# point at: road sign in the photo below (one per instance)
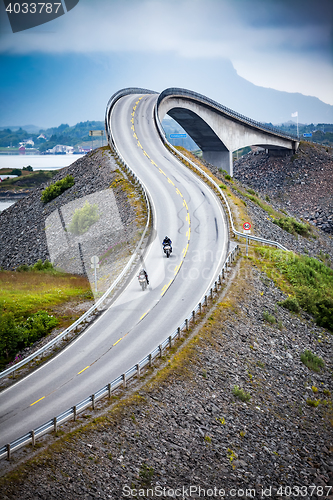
(246, 226)
(307, 135)
(178, 136)
(94, 259)
(96, 132)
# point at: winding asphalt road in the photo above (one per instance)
(186, 210)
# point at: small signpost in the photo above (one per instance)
(247, 231)
(94, 133)
(178, 136)
(307, 135)
(95, 265)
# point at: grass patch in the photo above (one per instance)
(241, 394)
(269, 317)
(312, 361)
(291, 303)
(305, 278)
(26, 302)
(291, 225)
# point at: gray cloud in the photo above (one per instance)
(285, 44)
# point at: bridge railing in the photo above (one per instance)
(189, 94)
(216, 186)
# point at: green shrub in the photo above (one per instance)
(14, 337)
(291, 225)
(222, 186)
(312, 361)
(83, 218)
(251, 191)
(16, 171)
(291, 303)
(269, 317)
(38, 266)
(228, 177)
(241, 394)
(57, 188)
(312, 402)
(267, 198)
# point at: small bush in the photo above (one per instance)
(267, 198)
(223, 186)
(57, 188)
(16, 171)
(312, 402)
(312, 361)
(227, 177)
(251, 191)
(83, 218)
(291, 303)
(269, 317)
(241, 394)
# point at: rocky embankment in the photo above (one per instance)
(189, 429)
(25, 236)
(301, 183)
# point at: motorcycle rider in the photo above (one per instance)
(167, 241)
(144, 272)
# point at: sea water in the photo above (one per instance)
(37, 162)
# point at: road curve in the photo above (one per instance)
(186, 210)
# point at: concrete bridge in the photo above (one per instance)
(219, 131)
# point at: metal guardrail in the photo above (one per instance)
(174, 92)
(217, 187)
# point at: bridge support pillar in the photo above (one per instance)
(221, 159)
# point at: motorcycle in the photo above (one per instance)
(167, 250)
(143, 281)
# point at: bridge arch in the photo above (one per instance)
(219, 131)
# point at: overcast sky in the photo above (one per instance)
(65, 70)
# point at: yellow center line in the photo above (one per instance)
(144, 314)
(37, 401)
(83, 369)
(117, 341)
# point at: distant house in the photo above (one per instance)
(22, 149)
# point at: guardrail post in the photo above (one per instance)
(223, 273)
(170, 341)
(138, 370)
(55, 424)
(74, 413)
(186, 324)
(160, 348)
(93, 401)
(206, 300)
(13, 373)
(179, 332)
(33, 439)
(124, 380)
(211, 294)
(215, 286)
(8, 451)
(200, 307)
(219, 281)
(193, 316)
(109, 390)
(150, 359)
